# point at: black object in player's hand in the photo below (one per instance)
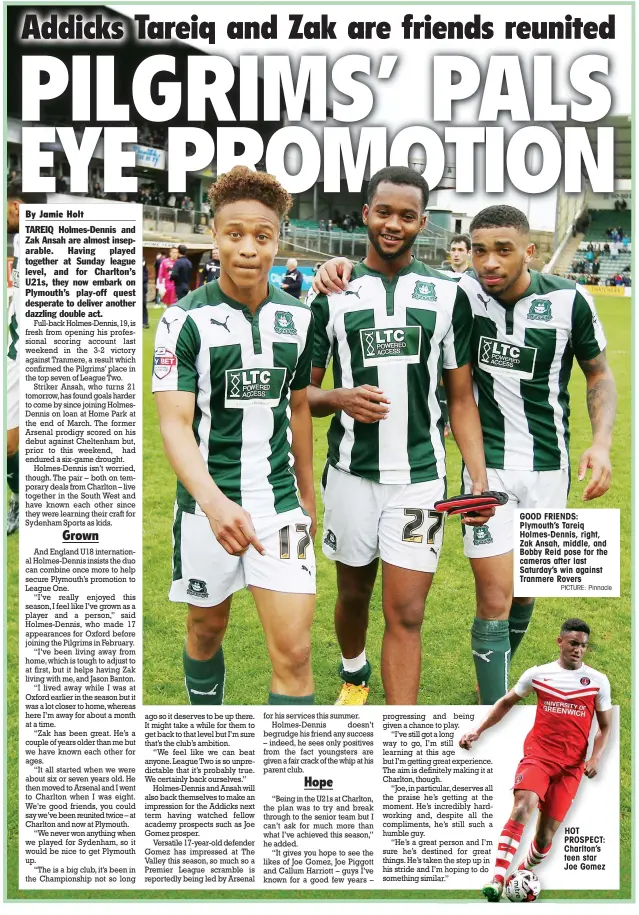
(470, 504)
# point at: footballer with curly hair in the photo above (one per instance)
(231, 367)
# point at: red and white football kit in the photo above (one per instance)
(555, 749)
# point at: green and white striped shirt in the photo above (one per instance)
(242, 368)
(397, 335)
(522, 359)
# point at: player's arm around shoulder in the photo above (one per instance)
(333, 276)
(495, 715)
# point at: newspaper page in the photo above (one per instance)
(293, 291)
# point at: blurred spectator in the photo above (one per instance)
(165, 283)
(292, 279)
(181, 273)
(211, 269)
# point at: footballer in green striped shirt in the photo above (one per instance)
(528, 328)
(390, 334)
(231, 367)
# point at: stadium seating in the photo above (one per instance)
(600, 220)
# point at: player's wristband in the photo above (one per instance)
(470, 504)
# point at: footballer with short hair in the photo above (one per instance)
(528, 328)
(569, 695)
(459, 253)
(231, 367)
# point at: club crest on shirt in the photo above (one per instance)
(330, 540)
(424, 291)
(197, 588)
(481, 536)
(539, 310)
(284, 323)
(585, 681)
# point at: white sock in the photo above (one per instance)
(352, 665)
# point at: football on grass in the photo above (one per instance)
(522, 886)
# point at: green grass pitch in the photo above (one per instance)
(447, 669)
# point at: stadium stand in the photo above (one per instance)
(604, 254)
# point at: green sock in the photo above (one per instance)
(518, 622)
(359, 677)
(279, 699)
(491, 654)
(204, 680)
(13, 473)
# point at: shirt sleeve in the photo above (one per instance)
(524, 685)
(603, 701)
(302, 377)
(588, 339)
(177, 344)
(323, 330)
(456, 343)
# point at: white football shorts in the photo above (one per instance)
(395, 521)
(547, 489)
(204, 574)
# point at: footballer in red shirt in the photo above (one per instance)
(569, 695)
